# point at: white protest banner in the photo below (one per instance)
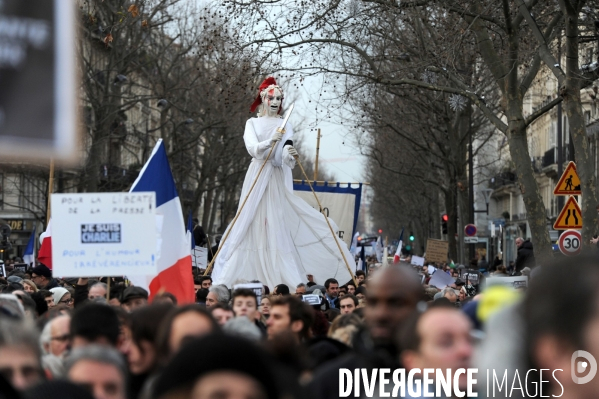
(440, 279)
(199, 257)
(513, 282)
(417, 260)
(104, 234)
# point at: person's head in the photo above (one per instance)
(245, 302)
(281, 290)
(197, 284)
(450, 294)
(222, 313)
(463, 294)
(300, 290)
(342, 291)
(217, 293)
(361, 292)
(392, 295)
(41, 276)
(134, 298)
(20, 353)
(182, 325)
(439, 338)
(29, 286)
(56, 336)
(145, 322)
(165, 297)
(61, 296)
(332, 287)
(519, 241)
(48, 298)
(102, 370)
(97, 290)
(348, 304)
(360, 276)
(202, 295)
(206, 282)
(269, 100)
(265, 306)
(230, 367)
(94, 323)
(561, 317)
(351, 288)
(289, 315)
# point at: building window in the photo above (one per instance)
(32, 193)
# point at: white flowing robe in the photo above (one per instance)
(278, 238)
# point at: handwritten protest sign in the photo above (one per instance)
(104, 234)
(436, 250)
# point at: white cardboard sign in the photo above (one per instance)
(104, 234)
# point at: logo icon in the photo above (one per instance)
(580, 366)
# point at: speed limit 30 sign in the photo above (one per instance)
(570, 242)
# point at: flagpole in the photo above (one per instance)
(317, 151)
(50, 189)
(328, 223)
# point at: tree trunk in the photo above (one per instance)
(452, 220)
(572, 105)
(535, 209)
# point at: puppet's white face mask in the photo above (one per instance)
(271, 102)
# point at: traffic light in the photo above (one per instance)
(411, 236)
(444, 220)
(380, 231)
(408, 248)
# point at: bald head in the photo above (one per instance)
(392, 296)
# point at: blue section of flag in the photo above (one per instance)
(29, 249)
(335, 188)
(401, 235)
(157, 176)
(190, 229)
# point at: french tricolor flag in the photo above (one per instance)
(44, 255)
(399, 246)
(174, 259)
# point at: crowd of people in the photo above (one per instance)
(102, 339)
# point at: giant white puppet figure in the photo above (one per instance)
(278, 238)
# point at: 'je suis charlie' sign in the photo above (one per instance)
(104, 234)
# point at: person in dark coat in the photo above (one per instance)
(526, 256)
(198, 234)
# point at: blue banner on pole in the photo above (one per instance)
(340, 202)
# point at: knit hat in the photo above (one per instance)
(217, 352)
(58, 293)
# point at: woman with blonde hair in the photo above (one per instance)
(29, 286)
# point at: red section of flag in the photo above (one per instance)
(177, 280)
(45, 253)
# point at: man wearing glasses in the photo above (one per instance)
(42, 277)
(56, 337)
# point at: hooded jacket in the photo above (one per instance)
(526, 256)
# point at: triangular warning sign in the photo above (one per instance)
(570, 217)
(569, 183)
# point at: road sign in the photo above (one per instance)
(570, 217)
(569, 183)
(470, 240)
(570, 242)
(470, 230)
